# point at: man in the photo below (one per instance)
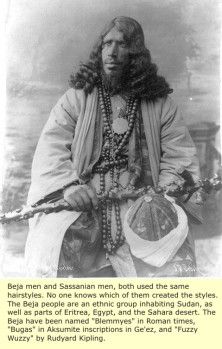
(115, 128)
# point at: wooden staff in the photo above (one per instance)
(55, 203)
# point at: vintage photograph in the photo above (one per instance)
(112, 139)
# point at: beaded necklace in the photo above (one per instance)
(112, 159)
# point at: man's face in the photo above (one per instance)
(115, 53)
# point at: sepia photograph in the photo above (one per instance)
(112, 152)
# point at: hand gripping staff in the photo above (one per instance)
(183, 188)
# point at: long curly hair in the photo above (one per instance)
(140, 79)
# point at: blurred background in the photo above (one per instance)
(47, 39)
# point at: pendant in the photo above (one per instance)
(120, 125)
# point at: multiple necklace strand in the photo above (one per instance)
(112, 159)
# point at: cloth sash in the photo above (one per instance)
(82, 146)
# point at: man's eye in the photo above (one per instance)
(107, 43)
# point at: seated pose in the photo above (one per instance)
(116, 128)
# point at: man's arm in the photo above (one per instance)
(177, 151)
(52, 166)
(177, 147)
(52, 163)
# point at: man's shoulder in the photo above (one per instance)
(73, 93)
(165, 100)
(162, 104)
(72, 99)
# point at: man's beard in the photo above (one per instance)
(114, 83)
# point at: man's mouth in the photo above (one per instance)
(113, 65)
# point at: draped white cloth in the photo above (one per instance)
(157, 253)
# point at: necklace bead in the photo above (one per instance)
(114, 143)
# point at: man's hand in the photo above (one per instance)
(81, 197)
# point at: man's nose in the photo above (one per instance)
(113, 50)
